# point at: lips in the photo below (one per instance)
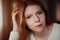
(40, 25)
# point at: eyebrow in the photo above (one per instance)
(39, 10)
(31, 13)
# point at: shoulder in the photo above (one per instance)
(56, 25)
(55, 34)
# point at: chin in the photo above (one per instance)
(39, 30)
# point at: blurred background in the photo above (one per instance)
(5, 15)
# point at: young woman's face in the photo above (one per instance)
(35, 18)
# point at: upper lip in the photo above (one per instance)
(39, 24)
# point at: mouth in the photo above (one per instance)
(39, 25)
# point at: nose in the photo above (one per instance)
(36, 18)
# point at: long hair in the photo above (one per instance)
(23, 29)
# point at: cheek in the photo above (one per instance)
(42, 18)
(30, 23)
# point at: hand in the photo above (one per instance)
(15, 25)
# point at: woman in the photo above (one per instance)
(34, 22)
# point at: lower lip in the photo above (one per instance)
(39, 26)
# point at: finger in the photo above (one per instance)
(14, 13)
(16, 10)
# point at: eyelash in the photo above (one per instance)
(28, 17)
(39, 13)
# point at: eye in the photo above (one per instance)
(28, 17)
(39, 12)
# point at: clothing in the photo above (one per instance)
(55, 34)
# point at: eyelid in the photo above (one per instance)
(28, 15)
(40, 12)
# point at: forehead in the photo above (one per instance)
(32, 9)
